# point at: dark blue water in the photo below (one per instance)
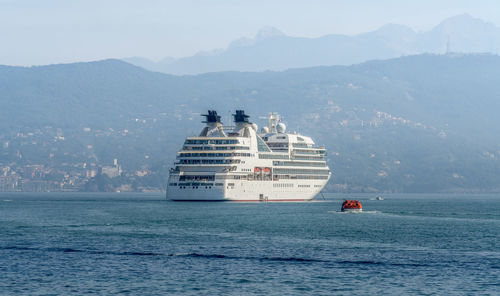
(139, 244)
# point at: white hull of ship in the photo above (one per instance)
(249, 191)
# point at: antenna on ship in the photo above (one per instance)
(273, 121)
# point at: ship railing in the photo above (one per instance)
(228, 129)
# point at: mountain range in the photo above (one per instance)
(271, 49)
(423, 123)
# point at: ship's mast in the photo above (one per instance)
(273, 119)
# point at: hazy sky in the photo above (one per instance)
(61, 31)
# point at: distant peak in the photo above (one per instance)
(463, 16)
(262, 34)
(268, 32)
(462, 19)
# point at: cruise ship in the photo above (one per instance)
(239, 163)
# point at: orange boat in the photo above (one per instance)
(351, 206)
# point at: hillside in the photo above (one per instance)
(424, 123)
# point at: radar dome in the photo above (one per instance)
(264, 130)
(255, 127)
(281, 128)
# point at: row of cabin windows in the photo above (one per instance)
(301, 145)
(273, 156)
(208, 161)
(279, 138)
(282, 185)
(309, 152)
(282, 150)
(300, 177)
(214, 154)
(217, 142)
(280, 145)
(301, 164)
(197, 148)
(196, 187)
(196, 178)
(195, 184)
(250, 177)
(283, 138)
(308, 157)
(301, 172)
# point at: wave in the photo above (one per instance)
(368, 262)
(218, 256)
(191, 255)
(71, 250)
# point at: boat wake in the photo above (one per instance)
(419, 217)
(363, 212)
(440, 218)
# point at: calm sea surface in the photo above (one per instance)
(140, 244)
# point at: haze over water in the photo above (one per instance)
(140, 244)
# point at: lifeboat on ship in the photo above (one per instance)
(351, 206)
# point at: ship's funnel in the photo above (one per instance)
(211, 117)
(214, 126)
(240, 117)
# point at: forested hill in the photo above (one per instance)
(425, 123)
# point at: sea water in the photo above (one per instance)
(141, 244)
